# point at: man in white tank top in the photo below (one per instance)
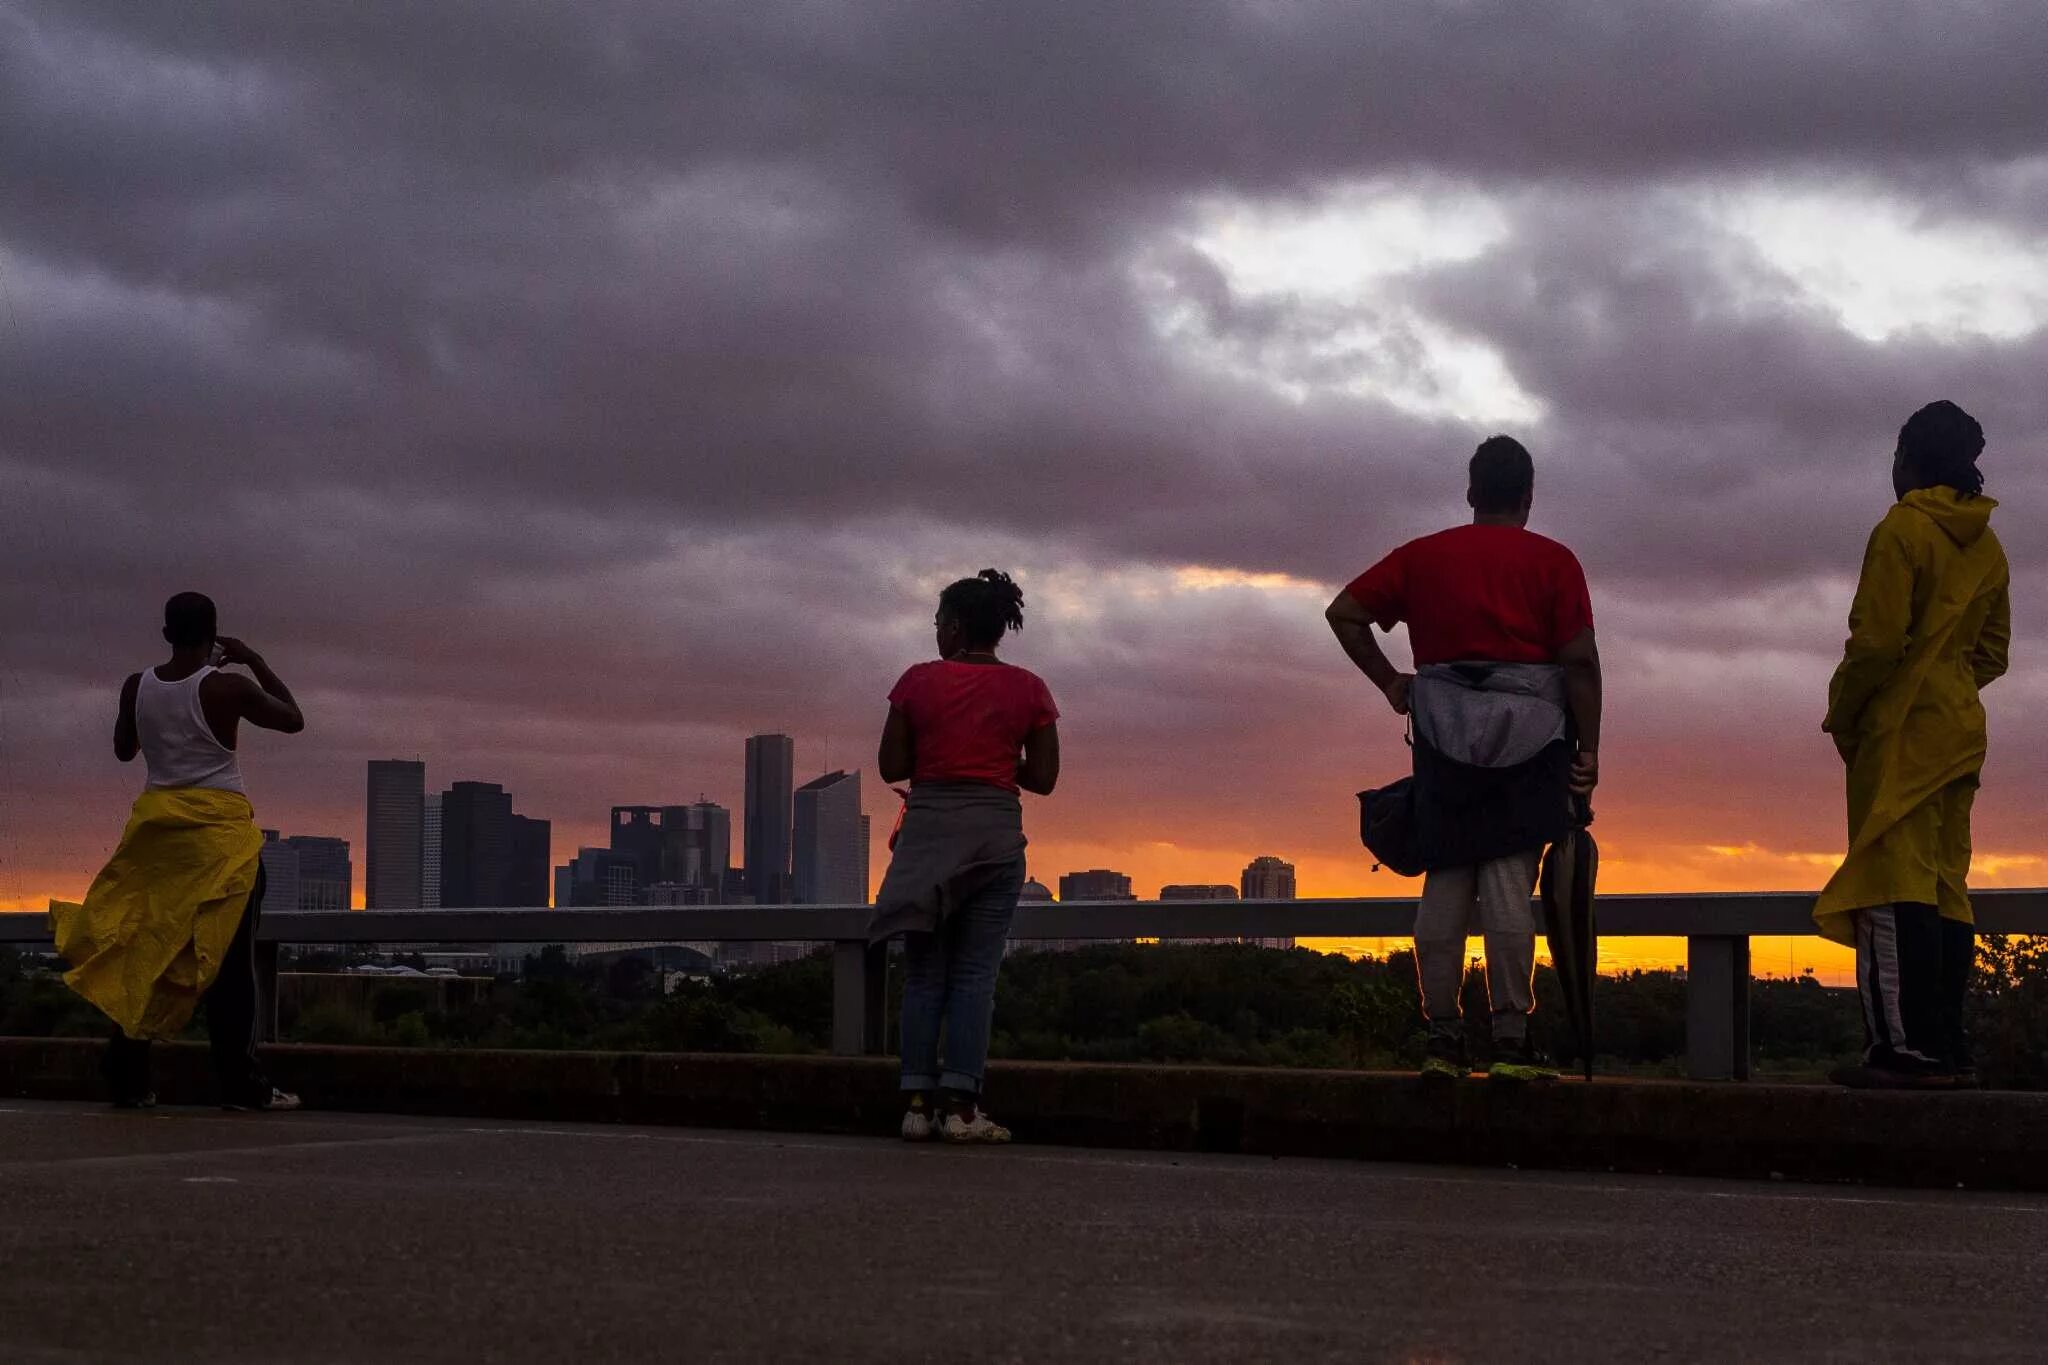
(184, 717)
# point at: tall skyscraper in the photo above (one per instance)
(771, 766)
(394, 828)
(430, 852)
(598, 876)
(1098, 884)
(491, 856)
(830, 859)
(680, 846)
(280, 873)
(326, 873)
(526, 879)
(476, 844)
(696, 848)
(1268, 879)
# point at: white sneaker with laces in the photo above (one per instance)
(917, 1125)
(975, 1128)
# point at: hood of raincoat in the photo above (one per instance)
(1963, 519)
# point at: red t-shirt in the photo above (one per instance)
(1494, 593)
(969, 721)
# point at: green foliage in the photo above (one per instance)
(2009, 1011)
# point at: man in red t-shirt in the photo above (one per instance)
(1492, 592)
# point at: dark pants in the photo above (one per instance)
(1913, 973)
(233, 1006)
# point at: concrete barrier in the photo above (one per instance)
(1977, 1139)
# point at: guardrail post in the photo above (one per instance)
(1717, 1008)
(266, 991)
(858, 990)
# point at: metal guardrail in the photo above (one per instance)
(1717, 928)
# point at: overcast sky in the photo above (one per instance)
(561, 392)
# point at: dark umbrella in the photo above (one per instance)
(1570, 869)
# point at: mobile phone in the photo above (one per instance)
(218, 656)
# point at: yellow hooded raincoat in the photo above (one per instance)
(149, 939)
(1929, 629)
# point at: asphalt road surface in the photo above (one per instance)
(188, 1235)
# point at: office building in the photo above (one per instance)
(393, 827)
(532, 850)
(490, 855)
(830, 842)
(689, 845)
(1268, 879)
(430, 852)
(1098, 884)
(280, 873)
(306, 872)
(326, 873)
(771, 766)
(598, 877)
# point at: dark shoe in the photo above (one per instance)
(1445, 1060)
(270, 1101)
(1521, 1061)
(1871, 1076)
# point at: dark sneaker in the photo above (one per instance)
(1445, 1060)
(1522, 1061)
(272, 1101)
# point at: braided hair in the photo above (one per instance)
(986, 606)
(1941, 444)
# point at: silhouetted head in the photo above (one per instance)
(1938, 447)
(974, 613)
(1503, 480)
(190, 621)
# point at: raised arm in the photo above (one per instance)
(127, 743)
(1352, 624)
(1038, 771)
(264, 701)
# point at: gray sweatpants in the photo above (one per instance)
(1497, 894)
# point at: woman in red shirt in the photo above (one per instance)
(968, 731)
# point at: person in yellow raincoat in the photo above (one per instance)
(171, 920)
(1929, 630)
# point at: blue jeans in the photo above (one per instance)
(949, 978)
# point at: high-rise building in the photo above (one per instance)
(394, 828)
(830, 839)
(688, 845)
(526, 880)
(326, 873)
(280, 873)
(598, 876)
(1098, 884)
(430, 852)
(1268, 879)
(771, 767)
(490, 856)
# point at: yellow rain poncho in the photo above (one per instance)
(1929, 629)
(150, 937)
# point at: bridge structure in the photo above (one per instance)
(1717, 929)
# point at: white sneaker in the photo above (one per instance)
(917, 1125)
(276, 1102)
(978, 1127)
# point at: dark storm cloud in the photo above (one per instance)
(566, 390)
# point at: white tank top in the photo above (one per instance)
(177, 744)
